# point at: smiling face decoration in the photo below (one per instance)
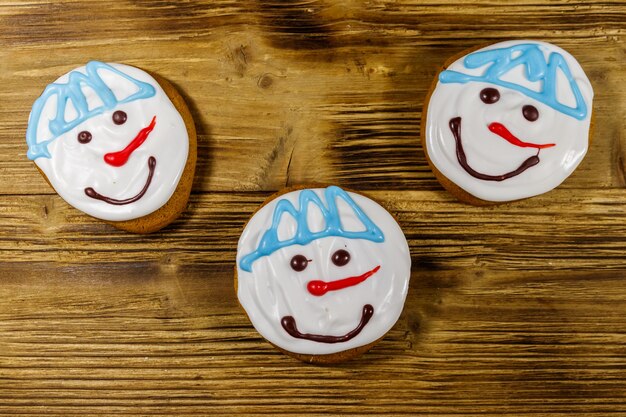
(109, 140)
(509, 121)
(321, 271)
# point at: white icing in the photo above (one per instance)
(487, 152)
(74, 166)
(274, 290)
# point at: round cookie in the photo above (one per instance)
(116, 143)
(322, 273)
(507, 122)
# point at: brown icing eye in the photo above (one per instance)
(530, 113)
(119, 117)
(341, 257)
(84, 137)
(299, 263)
(489, 95)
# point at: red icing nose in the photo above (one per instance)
(117, 159)
(500, 130)
(319, 288)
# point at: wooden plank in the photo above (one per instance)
(560, 230)
(457, 348)
(269, 115)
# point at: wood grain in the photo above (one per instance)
(512, 310)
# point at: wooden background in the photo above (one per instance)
(512, 310)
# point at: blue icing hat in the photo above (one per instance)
(270, 241)
(72, 91)
(536, 68)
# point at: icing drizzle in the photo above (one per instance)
(455, 127)
(319, 288)
(289, 324)
(270, 241)
(502, 60)
(501, 130)
(90, 192)
(117, 159)
(72, 91)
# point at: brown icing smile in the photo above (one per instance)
(93, 194)
(455, 127)
(289, 324)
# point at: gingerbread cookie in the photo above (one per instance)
(116, 144)
(508, 121)
(322, 273)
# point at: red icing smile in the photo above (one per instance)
(503, 132)
(319, 288)
(117, 159)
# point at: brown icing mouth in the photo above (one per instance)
(455, 127)
(93, 194)
(289, 324)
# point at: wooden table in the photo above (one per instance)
(514, 309)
